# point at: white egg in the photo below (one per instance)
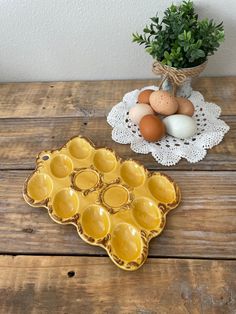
(138, 111)
(180, 126)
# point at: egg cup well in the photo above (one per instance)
(115, 204)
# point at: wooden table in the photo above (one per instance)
(47, 268)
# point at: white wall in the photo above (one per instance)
(91, 39)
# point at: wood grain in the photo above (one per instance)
(95, 98)
(22, 139)
(95, 285)
(41, 116)
(202, 226)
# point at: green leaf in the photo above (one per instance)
(199, 43)
(185, 35)
(146, 30)
(189, 35)
(166, 55)
(149, 49)
(155, 19)
(181, 36)
(200, 53)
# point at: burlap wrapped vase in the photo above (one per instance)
(177, 80)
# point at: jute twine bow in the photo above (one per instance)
(176, 76)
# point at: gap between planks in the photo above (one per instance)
(215, 258)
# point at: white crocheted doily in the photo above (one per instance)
(169, 150)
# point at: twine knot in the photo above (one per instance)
(176, 76)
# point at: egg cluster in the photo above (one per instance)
(159, 112)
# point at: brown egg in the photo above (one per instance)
(163, 102)
(185, 106)
(143, 97)
(151, 128)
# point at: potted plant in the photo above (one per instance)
(180, 44)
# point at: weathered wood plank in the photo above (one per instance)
(95, 98)
(204, 225)
(41, 284)
(22, 139)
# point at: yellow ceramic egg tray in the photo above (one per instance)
(116, 204)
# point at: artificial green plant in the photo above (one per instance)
(180, 39)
